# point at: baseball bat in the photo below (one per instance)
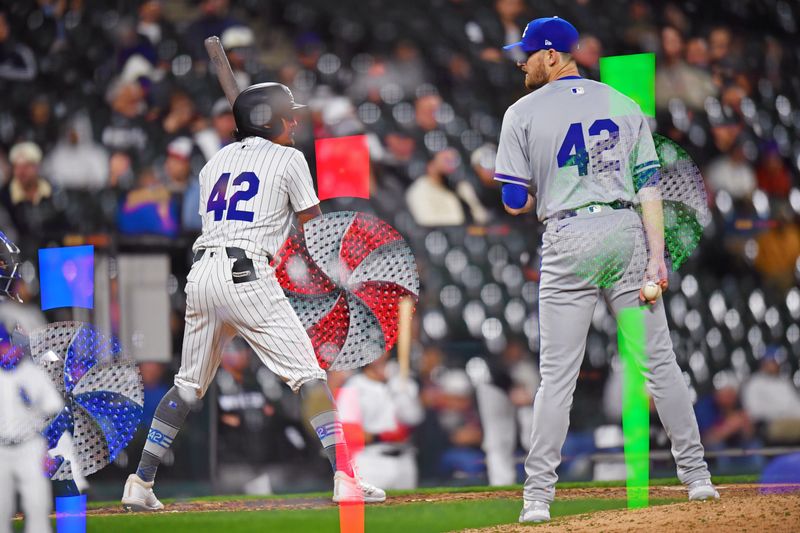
(405, 310)
(224, 71)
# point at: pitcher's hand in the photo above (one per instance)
(656, 271)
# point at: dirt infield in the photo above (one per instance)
(741, 508)
(737, 500)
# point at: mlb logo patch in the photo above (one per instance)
(577, 90)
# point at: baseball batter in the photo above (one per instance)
(579, 152)
(249, 193)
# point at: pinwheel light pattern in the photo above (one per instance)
(102, 391)
(344, 277)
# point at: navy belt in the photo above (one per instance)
(243, 269)
(567, 213)
(232, 252)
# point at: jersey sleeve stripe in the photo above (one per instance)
(505, 178)
(645, 166)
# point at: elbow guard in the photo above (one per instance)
(514, 196)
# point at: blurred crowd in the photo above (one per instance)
(111, 109)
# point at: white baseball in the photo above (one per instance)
(651, 290)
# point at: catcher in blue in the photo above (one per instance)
(579, 153)
(250, 192)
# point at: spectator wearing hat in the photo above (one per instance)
(238, 42)
(220, 133)
(178, 164)
(457, 415)
(180, 180)
(26, 188)
(771, 399)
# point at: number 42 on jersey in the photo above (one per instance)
(219, 205)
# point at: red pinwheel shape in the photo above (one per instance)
(344, 276)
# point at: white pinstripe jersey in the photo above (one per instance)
(248, 193)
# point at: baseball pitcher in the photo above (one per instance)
(249, 193)
(579, 152)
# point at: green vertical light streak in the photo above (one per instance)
(632, 337)
(634, 76)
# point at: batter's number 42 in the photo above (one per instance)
(573, 149)
(218, 204)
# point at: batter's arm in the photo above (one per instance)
(300, 187)
(308, 214)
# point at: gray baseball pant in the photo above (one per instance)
(566, 306)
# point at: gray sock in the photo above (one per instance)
(168, 419)
(319, 408)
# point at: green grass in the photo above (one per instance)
(664, 482)
(417, 517)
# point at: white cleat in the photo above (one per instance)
(533, 511)
(348, 489)
(139, 496)
(702, 490)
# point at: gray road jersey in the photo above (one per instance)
(575, 142)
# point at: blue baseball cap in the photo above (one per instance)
(546, 33)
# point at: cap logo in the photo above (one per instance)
(547, 43)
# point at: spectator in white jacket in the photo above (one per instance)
(77, 161)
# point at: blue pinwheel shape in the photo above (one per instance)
(102, 390)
